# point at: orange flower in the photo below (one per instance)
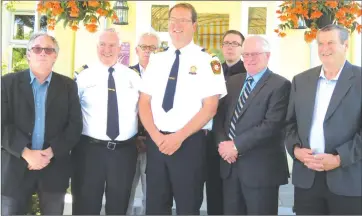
(114, 17)
(283, 18)
(51, 27)
(102, 12)
(72, 4)
(282, 34)
(278, 12)
(91, 27)
(48, 5)
(359, 28)
(93, 19)
(276, 30)
(331, 4)
(40, 8)
(316, 15)
(93, 4)
(75, 27)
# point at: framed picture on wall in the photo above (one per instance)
(124, 54)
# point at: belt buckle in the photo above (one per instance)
(111, 145)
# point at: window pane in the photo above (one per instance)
(43, 23)
(23, 27)
(257, 20)
(159, 18)
(19, 61)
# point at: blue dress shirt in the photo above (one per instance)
(40, 95)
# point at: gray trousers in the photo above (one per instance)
(140, 174)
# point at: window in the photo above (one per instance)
(22, 25)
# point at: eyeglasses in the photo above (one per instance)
(182, 21)
(253, 54)
(151, 48)
(38, 50)
(233, 44)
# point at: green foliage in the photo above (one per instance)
(218, 53)
(20, 62)
(34, 208)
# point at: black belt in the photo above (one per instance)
(166, 132)
(109, 144)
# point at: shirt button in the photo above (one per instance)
(29, 133)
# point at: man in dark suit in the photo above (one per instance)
(231, 48)
(147, 44)
(249, 131)
(41, 122)
(324, 131)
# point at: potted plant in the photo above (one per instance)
(74, 11)
(315, 14)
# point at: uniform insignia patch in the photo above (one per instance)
(193, 70)
(216, 66)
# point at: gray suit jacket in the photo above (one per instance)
(259, 130)
(342, 128)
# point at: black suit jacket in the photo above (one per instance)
(141, 130)
(342, 128)
(259, 131)
(233, 70)
(63, 126)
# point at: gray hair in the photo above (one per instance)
(150, 34)
(343, 32)
(264, 42)
(110, 30)
(40, 34)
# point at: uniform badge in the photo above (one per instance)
(216, 66)
(193, 70)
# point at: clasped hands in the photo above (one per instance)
(228, 151)
(168, 143)
(317, 162)
(37, 159)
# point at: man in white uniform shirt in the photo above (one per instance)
(176, 116)
(105, 159)
(147, 44)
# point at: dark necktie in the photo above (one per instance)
(112, 108)
(169, 96)
(241, 101)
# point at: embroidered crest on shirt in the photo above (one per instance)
(216, 66)
(193, 70)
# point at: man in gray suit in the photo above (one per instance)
(249, 133)
(324, 130)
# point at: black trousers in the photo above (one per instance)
(239, 199)
(214, 191)
(180, 176)
(50, 202)
(319, 200)
(98, 169)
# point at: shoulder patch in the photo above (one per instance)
(161, 49)
(216, 67)
(210, 53)
(79, 70)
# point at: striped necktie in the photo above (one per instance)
(242, 99)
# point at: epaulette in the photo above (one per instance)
(79, 70)
(135, 70)
(210, 53)
(161, 49)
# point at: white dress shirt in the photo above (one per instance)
(93, 95)
(191, 88)
(324, 93)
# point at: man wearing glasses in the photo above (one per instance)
(41, 122)
(147, 44)
(249, 132)
(231, 49)
(180, 91)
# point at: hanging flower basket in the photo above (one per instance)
(316, 14)
(73, 12)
